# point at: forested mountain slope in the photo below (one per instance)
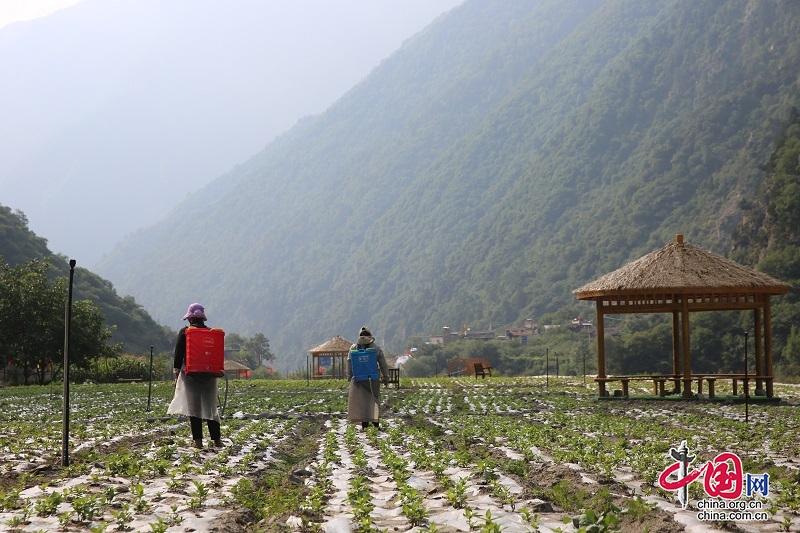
(769, 236)
(135, 328)
(504, 156)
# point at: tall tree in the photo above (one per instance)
(32, 322)
(258, 345)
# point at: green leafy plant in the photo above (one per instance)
(175, 484)
(503, 493)
(10, 500)
(98, 527)
(638, 509)
(530, 518)
(86, 507)
(200, 495)
(140, 503)
(413, 505)
(159, 526)
(122, 517)
(48, 505)
(469, 514)
(15, 522)
(360, 500)
(591, 522)
(566, 498)
(456, 495)
(65, 519)
(174, 519)
(489, 525)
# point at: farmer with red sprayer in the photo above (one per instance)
(196, 394)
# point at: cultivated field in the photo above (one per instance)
(496, 454)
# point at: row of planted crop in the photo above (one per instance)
(159, 485)
(473, 491)
(411, 470)
(95, 424)
(567, 424)
(99, 411)
(607, 440)
(776, 425)
(33, 422)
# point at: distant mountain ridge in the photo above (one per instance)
(507, 154)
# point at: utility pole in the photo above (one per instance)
(150, 386)
(67, 333)
(547, 367)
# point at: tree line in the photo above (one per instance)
(639, 344)
(32, 334)
(32, 324)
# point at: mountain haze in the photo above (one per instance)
(114, 109)
(507, 154)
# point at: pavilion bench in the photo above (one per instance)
(394, 377)
(735, 380)
(482, 371)
(659, 383)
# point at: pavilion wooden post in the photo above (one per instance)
(768, 344)
(757, 326)
(676, 349)
(601, 350)
(687, 360)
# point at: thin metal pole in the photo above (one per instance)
(586, 351)
(150, 386)
(547, 367)
(67, 333)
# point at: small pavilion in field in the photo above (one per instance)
(329, 359)
(237, 370)
(681, 278)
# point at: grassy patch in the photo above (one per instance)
(272, 496)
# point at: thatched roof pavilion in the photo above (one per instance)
(337, 349)
(232, 368)
(681, 278)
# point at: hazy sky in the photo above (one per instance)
(17, 10)
(123, 107)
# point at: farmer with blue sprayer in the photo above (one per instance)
(366, 368)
